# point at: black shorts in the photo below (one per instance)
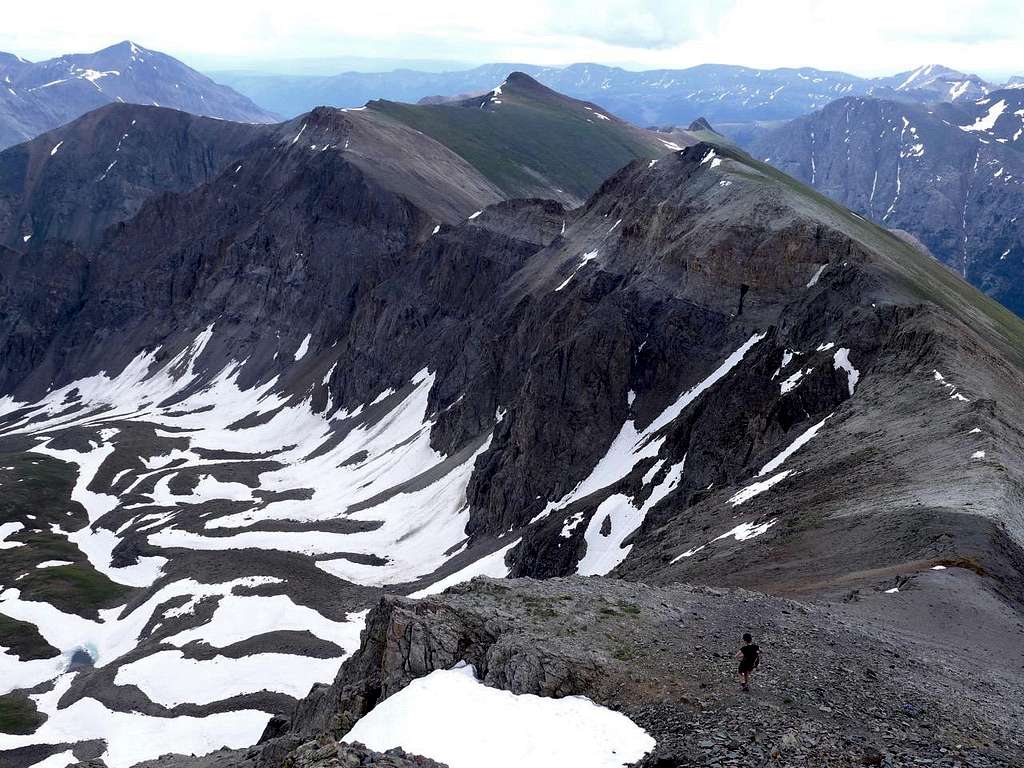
(746, 666)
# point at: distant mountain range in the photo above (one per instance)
(721, 93)
(950, 174)
(38, 96)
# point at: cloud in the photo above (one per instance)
(866, 37)
(635, 23)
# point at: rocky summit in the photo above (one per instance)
(385, 436)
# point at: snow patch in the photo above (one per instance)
(303, 347)
(987, 121)
(9, 529)
(757, 488)
(451, 717)
(605, 551)
(741, 532)
(954, 393)
(133, 737)
(170, 679)
(586, 259)
(793, 381)
(816, 276)
(792, 448)
(239, 617)
(492, 565)
(841, 361)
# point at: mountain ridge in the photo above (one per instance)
(346, 363)
(585, 142)
(73, 183)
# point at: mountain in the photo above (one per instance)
(656, 97)
(998, 117)
(74, 182)
(721, 93)
(533, 142)
(951, 175)
(37, 97)
(934, 82)
(347, 363)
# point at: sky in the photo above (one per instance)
(864, 37)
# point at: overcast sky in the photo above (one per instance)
(865, 37)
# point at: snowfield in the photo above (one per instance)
(170, 679)
(132, 737)
(404, 505)
(451, 717)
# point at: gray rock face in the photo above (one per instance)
(240, 197)
(943, 174)
(39, 96)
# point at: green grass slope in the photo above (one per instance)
(531, 141)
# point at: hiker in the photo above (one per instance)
(750, 657)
